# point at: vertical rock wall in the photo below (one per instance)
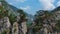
(24, 27)
(4, 24)
(15, 28)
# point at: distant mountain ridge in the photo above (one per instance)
(13, 9)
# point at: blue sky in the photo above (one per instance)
(31, 6)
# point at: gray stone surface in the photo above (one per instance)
(4, 24)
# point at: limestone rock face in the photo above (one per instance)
(24, 27)
(15, 28)
(57, 14)
(4, 24)
(0, 4)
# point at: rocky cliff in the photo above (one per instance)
(4, 25)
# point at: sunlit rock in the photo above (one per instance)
(15, 28)
(24, 27)
(4, 24)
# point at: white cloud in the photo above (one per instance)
(20, 1)
(10, 3)
(48, 4)
(25, 8)
(58, 3)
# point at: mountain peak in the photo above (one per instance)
(58, 8)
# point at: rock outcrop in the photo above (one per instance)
(24, 27)
(4, 24)
(15, 28)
